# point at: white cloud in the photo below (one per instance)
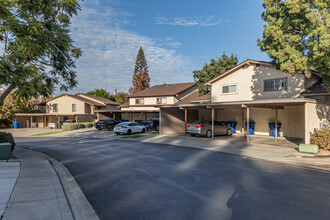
(109, 53)
(204, 21)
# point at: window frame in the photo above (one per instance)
(55, 109)
(73, 104)
(161, 98)
(136, 103)
(276, 84)
(229, 93)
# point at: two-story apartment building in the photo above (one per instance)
(79, 107)
(255, 91)
(145, 104)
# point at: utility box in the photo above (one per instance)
(5, 151)
(308, 148)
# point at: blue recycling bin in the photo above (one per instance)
(15, 124)
(233, 125)
(272, 129)
(20, 125)
(251, 127)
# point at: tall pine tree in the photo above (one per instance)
(141, 77)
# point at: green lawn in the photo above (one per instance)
(47, 133)
(140, 135)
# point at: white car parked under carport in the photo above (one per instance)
(129, 128)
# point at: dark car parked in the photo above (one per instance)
(106, 124)
(147, 124)
(155, 123)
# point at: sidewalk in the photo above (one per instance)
(38, 192)
(265, 148)
(9, 172)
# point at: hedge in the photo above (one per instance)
(7, 137)
(321, 137)
(74, 126)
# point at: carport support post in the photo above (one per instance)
(31, 121)
(212, 122)
(185, 121)
(275, 135)
(247, 124)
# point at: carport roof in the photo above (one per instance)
(268, 103)
(47, 114)
(125, 111)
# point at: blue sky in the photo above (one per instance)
(178, 37)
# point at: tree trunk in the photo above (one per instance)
(5, 94)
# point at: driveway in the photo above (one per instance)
(134, 180)
(26, 132)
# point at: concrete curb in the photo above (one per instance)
(79, 205)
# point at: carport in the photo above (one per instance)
(292, 111)
(129, 115)
(42, 119)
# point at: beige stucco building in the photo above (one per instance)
(144, 105)
(255, 91)
(79, 107)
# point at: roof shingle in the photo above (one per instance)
(163, 90)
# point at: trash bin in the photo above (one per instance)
(251, 127)
(233, 125)
(15, 125)
(5, 151)
(272, 129)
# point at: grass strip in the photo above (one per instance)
(47, 133)
(140, 135)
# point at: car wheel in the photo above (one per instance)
(129, 132)
(192, 135)
(229, 132)
(208, 133)
(99, 129)
(117, 133)
(143, 130)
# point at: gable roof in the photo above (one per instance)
(195, 98)
(246, 62)
(98, 98)
(88, 101)
(317, 88)
(164, 90)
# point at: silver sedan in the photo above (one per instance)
(204, 128)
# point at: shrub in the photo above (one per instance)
(321, 137)
(69, 127)
(7, 137)
(88, 124)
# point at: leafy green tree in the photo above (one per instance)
(212, 70)
(101, 93)
(38, 52)
(141, 79)
(13, 104)
(297, 36)
(120, 98)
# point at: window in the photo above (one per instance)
(55, 109)
(139, 101)
(161, 100)
(74, 107)
(227, 89)
(275, 84)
